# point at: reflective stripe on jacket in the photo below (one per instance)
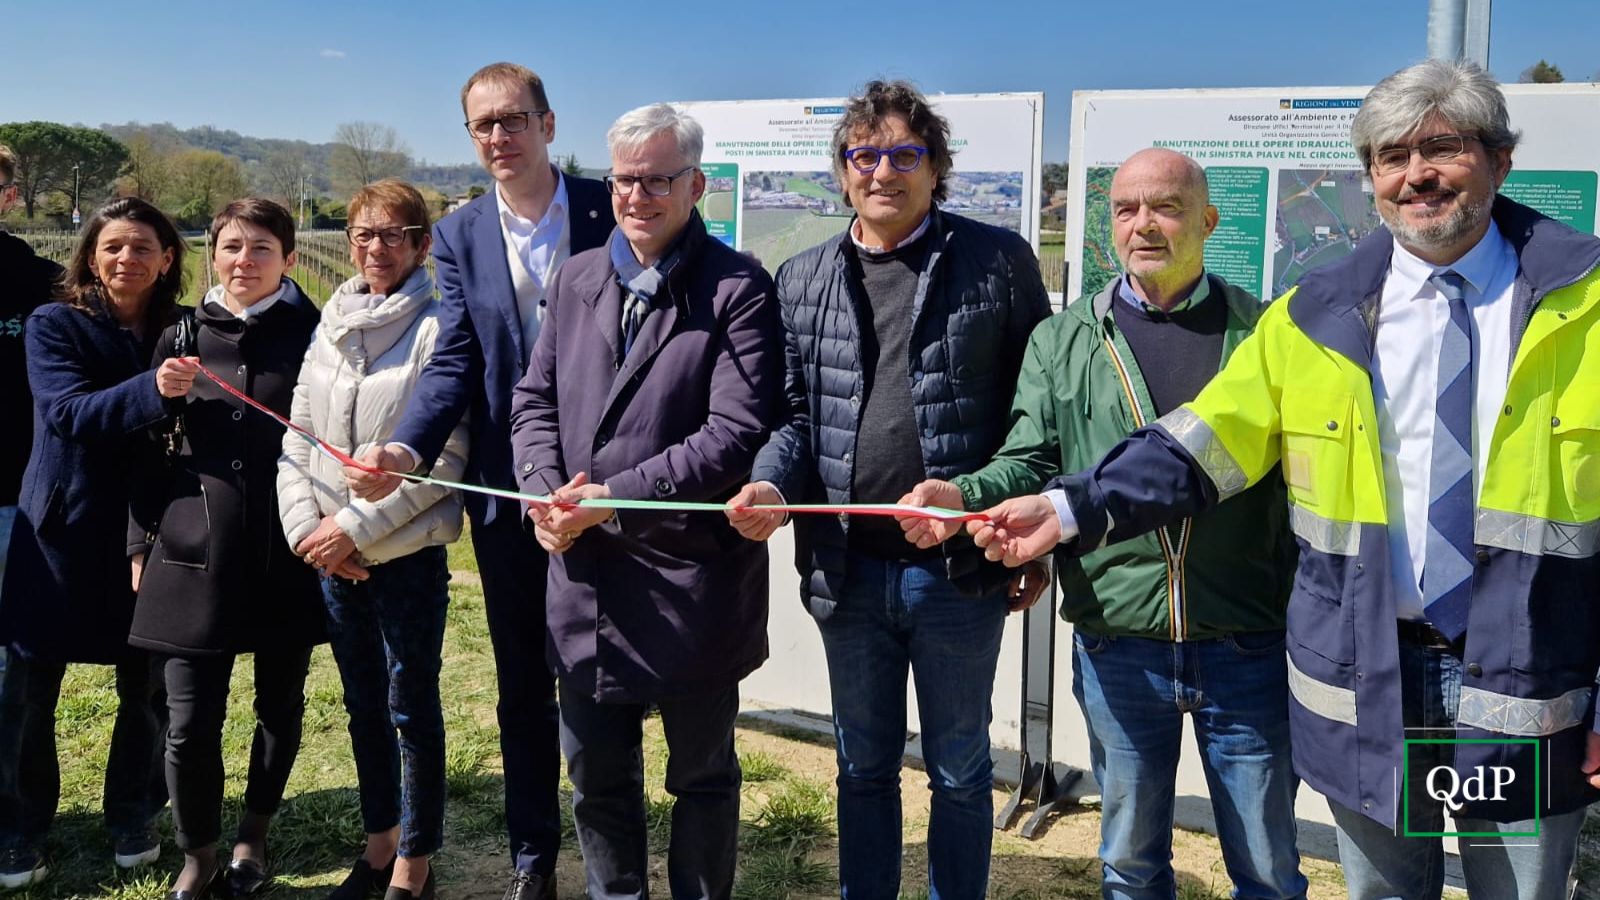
(1299, 392)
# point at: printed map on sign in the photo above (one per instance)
(1287, 185)
(771, 189)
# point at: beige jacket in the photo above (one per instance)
(359, 371)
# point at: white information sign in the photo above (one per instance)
(769, 168)
(1284, 177)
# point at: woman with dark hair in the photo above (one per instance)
(384, 577)
(67, 595)
(219, 578)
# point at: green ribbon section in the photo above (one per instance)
(882, 509)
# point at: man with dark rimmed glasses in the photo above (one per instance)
(496, 257)
(657, 377)
(904, 337)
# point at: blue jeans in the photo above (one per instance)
(387, 633)
(1134, 693)
(893, 616)
(1380, 863)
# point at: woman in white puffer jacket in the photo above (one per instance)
(384, 576)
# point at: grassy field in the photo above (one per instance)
(1051, 256)
(774, 235)
(787, 844)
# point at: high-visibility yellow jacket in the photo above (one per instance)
(1298, 393)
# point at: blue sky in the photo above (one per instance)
(295, 68)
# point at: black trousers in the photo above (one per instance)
(512, 567)
(605, 760)
(197, 699)
(30, 773)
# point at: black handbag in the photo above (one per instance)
(183, 344)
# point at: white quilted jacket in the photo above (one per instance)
(359, 372)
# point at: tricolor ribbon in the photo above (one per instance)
(850, 509)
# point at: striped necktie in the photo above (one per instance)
(634, 310)
(1447, 569)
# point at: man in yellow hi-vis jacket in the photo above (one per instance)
(1433, 400)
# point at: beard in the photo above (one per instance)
(1441, 231)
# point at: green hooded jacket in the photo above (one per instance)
(1080, 392)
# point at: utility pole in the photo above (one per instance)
(1458, 30)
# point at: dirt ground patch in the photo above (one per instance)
(1059, 863)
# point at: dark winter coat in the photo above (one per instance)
(219, 577)
(26, 281)
(652, 605)
(979, 297)
(68, 595)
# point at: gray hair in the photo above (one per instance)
(636, 127)
(1461, 93)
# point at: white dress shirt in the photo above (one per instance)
(1405, 373)
(877, 250)
(534, 251)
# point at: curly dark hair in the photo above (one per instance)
(881, 99)
(80, 285)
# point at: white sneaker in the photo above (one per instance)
(21, 868)
(132, 852)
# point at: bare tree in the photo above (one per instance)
(365, 152)
(282, 175)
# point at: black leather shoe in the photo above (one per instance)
(529, 886)
(400, 893)
(245, 877)
(363, 881)
(204, 890)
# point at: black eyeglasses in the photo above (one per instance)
(1440, 148)
(654, 185)
(391, 237)
(510, 123)
(904, 158)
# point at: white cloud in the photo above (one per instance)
(332, 54)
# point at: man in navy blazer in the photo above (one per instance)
(495, 259)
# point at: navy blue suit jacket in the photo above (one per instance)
(480, 355)
(67, 596)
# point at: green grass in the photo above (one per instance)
(775, 875)
(800, 813)
(788, 823)
(774, 235)
(759, 767)
(1051, 256)
(317, 832)
(805, 187)
(787, 837)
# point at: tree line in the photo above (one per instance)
(192, 174)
